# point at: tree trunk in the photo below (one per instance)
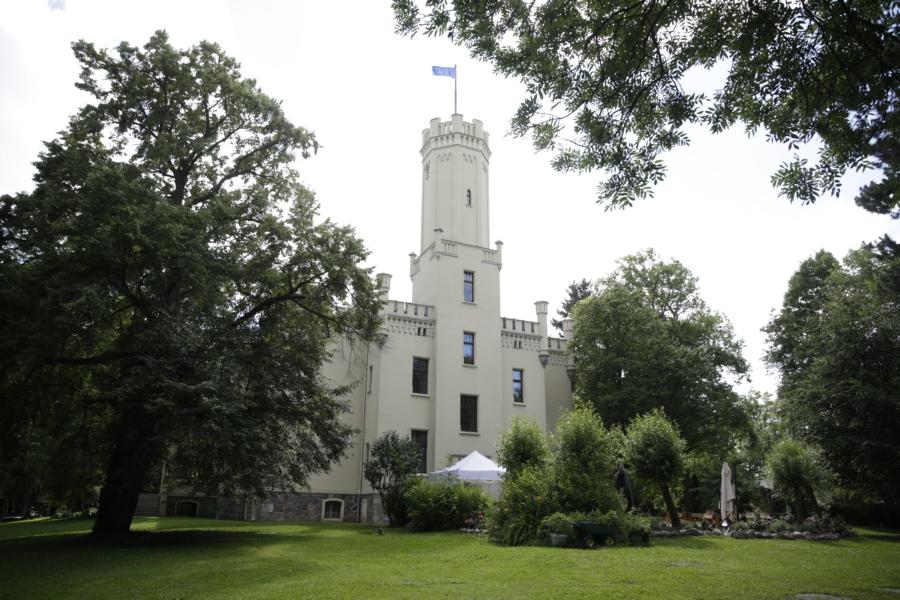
(128, 465)
(670, 506)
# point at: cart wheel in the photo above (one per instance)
(588, 541)
(610, 541)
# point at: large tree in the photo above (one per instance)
(647, 340)
(576, 292)
(605, 81)
(836, 342)
(168, 278)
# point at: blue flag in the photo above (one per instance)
(445, 71)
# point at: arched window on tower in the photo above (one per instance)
(468, 197)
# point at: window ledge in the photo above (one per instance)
(468, 366)
(469, 433)
(473, 303)
(414, 394)
(519, 404)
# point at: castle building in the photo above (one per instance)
(450, 370)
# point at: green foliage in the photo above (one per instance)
(797, 477)
(577, 475)
(628, 527)
(647, 340)
(606, 82)
(439, 505)
(168, 278)
(525, 501)
(779, 525)
(836, 342)
(576, 292)
(520, 446)
(625, 527)
(557, 523)
(654, 451)
(392, 461)
(583, 463)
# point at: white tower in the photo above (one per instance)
(455, 158)
(458, 274)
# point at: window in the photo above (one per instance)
(468, 286)
(468, 197)
(468, 348)
(333, 510)
(420, 376)
(518, 386)
(468, 413)
(420, 437)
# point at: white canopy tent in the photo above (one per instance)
(475, 468)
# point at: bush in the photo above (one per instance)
(392, 461)
(655, 449)
(779, 525)
(526, 500)
(558, 523)
(584, 463)
(797, 476)
(522, 445)
(635, 528)
(439, 505)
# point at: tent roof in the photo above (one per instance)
(475, 466)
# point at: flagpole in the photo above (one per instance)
(455, 75)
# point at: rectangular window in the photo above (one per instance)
(468, 413)
(420, 437)
(518, 386)
(469, 286)
(420, 375)
(468, 348)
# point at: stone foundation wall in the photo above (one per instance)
(307, 506)
(206, 505)
(282, 506)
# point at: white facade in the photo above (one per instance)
(465, 404)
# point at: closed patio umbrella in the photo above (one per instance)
(728, 496)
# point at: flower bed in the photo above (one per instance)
(814, 529)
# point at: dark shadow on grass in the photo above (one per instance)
(137, 540)
(882, 537)
(188, 537)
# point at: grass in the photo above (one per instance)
(169, 558)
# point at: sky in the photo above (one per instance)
(340, 70)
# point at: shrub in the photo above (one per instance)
(392, 461)
(635, 528)
(526, 500)
(779, 525)
(584, 463)
(438, 505)
(797, 476)
(654, 449)
(522, 445)
(558, 523)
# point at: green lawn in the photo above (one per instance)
(194, 558)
